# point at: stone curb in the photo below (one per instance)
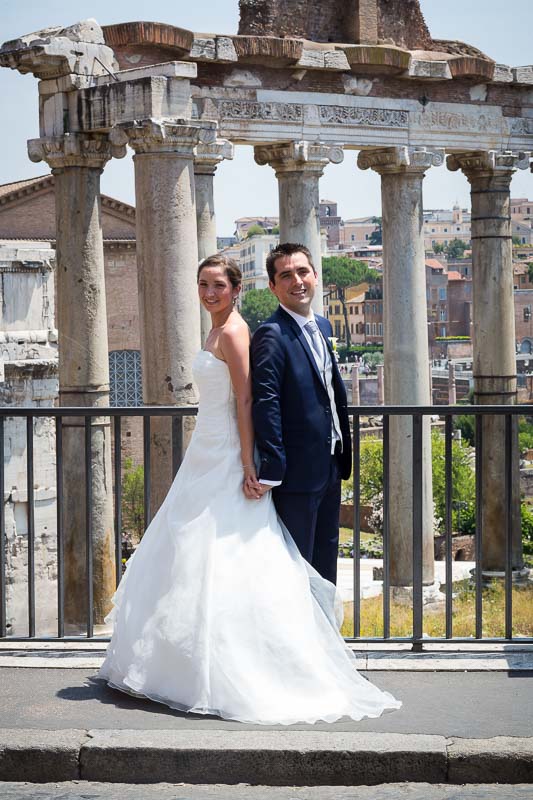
(374, 661)
(269, 758)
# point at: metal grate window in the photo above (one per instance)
(125, 378)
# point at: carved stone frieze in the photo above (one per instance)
(246, 109)
(447, 120)
(367, 117)
(299, 156)
(208, 156)
(401, 159)
(487, 162)
(178, 137)
(522, 126)
(75, 150)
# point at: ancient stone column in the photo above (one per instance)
(299, 166)
(356, 397)
(489, 175)
(406, 352)
(452, 387)
(167, 262)
(381, 394)
(77, 161)
(207, 157)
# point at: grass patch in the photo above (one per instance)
(463, 614)
(346, 536)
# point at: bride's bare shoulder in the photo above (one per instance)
(236, 330)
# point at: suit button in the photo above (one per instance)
(326, 411)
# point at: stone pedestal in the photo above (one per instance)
(406, 353)
(299, 166)
(206, 159)
(167, 262)
(489, 174)
(77, 162)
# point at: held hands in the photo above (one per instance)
(251, 487)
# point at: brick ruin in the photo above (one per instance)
(397, 22)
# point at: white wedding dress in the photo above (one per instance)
(217, 612)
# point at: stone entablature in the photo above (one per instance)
(355, 95)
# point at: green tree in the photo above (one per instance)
(255, 230)
(133, 500)
(275, 230)
(529, 266)
(438, 247)
(517, 241)
(456, 248)
(376, 237)
(467, 425)
(257, 306)
(463, 484)
(342, 272)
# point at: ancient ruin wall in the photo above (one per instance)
(399, 22)
(402, 23)
(309, 19)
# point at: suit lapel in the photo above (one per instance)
(304, 343)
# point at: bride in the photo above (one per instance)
(217, 612)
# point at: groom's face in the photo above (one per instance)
(294, 282)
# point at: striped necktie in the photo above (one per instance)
(318, 346)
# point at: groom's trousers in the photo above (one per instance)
(313, 522)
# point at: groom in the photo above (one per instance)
(299, 411)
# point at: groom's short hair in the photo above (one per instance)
(285, 249)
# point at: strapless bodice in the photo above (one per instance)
(217, 401)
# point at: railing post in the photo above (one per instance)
(418, 614)
(356, 527)
(31, 525)
(117, 431)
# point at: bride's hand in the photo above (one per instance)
(251, 486)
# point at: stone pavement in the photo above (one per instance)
(164, 791)
(59, 724)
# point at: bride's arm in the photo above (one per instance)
(234, 344)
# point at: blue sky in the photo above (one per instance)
(503, 31)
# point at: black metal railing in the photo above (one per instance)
(177, 414)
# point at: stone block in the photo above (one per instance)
(503, 759)
(336, 59)
(168, 69)
(523, 74)
(270, 758)
(431, 70)
(503, 74)
(311, 59)
(203, 49)
(478, 92)
(225, 49)
(40, 756)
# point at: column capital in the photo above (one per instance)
(488, 163)
(299, 156)
(401, 159)
(74, 150)
(207, 157)
(178, 137)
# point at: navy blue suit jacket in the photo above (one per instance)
(291, 408)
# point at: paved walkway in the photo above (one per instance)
(454, 728)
